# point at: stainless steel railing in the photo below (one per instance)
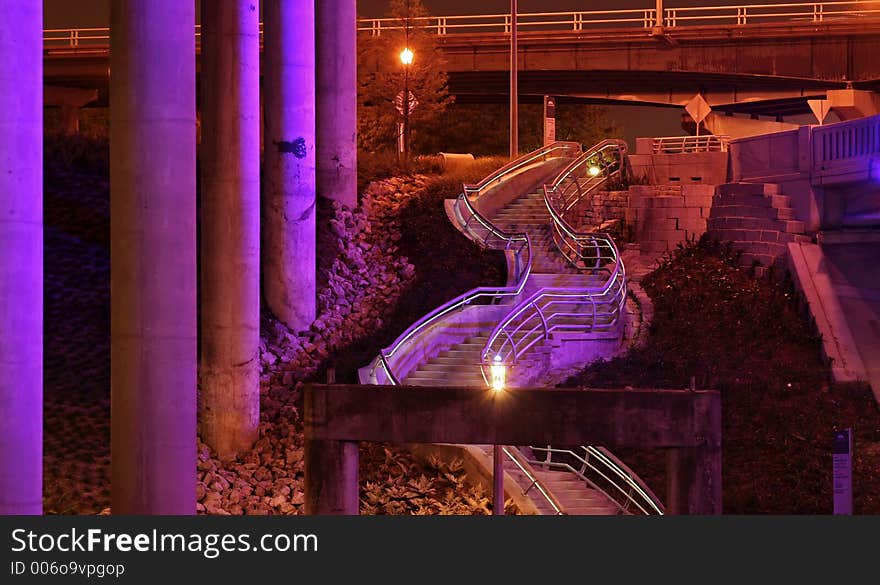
(570, 310)
(602, 471)
(568, 194)
(487, 235)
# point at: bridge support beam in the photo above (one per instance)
(336, 417)
(337, 100)
(229, 365)
(331, 477)
(289, 207)
(153, 257)
(21, 259)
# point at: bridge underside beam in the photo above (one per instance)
(726, 93)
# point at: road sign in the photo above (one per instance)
(841, 455)
(398, 102)
(698, 108)
(820, 109)
(549, 120)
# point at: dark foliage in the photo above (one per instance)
(746, 338)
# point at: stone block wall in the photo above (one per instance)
(759, 220)
(662, 216)
(605, 206)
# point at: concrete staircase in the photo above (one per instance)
(529, 214)
(575, 498)
(758, 220)
(459, 364)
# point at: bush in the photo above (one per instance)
(745, 337)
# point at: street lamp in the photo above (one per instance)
(499, 375)
(514, 83)
(406, 57)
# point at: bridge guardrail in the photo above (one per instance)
(575, 21)
(852, 139)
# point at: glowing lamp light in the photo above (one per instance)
(406, 56)
(594, 171)
(498, 374)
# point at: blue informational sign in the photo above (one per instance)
(841, 454)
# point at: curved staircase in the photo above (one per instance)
(565, 297)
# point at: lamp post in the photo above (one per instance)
(499, 374)
(406, 57)
(514, 83)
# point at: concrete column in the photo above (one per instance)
(289, 206)
(153, 256)
(337, 100)
(331, 477)
(21, 258)
(229, 365)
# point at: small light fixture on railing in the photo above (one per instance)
(499, 374)
(594, 171)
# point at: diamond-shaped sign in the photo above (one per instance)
(820, 109)
(398, 102)
(698, 108)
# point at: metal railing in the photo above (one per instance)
(688, 144)
(478, 227)
(557, 310)
(571, 191)
(535, 482)
(487, 235)
(602, 471)
(853, 139)
(576, 21)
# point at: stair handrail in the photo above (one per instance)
(543, 313)
(523, 465)
(629, 488)
(598, 164)
(471, 193)
(495, 238)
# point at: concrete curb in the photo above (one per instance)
(838, 345)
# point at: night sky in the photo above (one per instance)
(642, 121)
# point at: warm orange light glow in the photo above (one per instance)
(406, 56)
(498, 374)
(594, 171)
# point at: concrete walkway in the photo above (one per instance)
(854, 271)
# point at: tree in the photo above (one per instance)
(382, 75)
(482, 129)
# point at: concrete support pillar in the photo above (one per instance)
(153, 257)
(337, 100)
(289, 207)
(21, 258)
(331, 477)
(229, 365)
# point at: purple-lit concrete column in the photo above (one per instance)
(337, 100)
(229, 365)
(153, 256)
(289, 206)
(21, 258)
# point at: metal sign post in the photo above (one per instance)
(841, 450)
(549, 120)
